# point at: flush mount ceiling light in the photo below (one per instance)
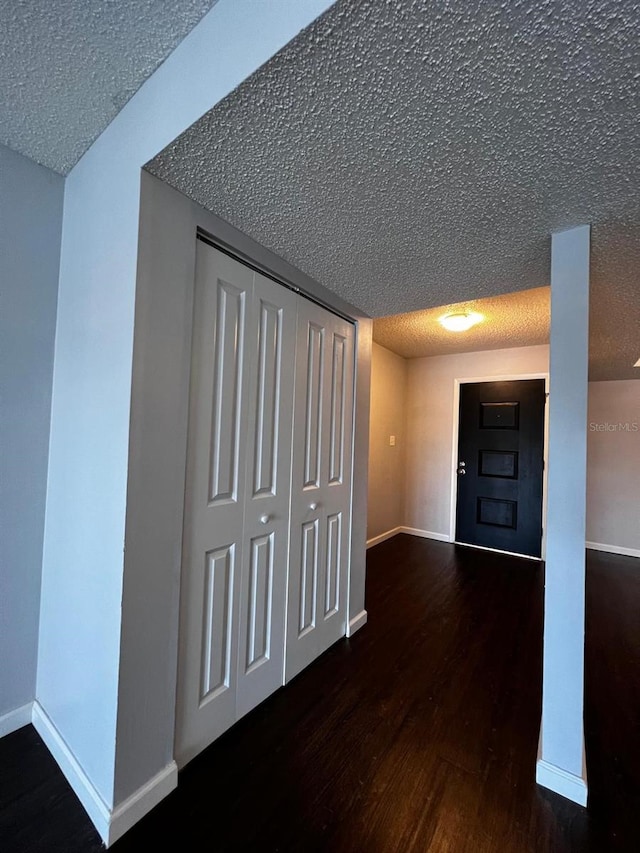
(637, 364)
(460, 321)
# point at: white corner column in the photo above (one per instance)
(561, 765)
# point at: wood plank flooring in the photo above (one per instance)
(418, 734)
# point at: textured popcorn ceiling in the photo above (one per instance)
(68, 66)
(521, 317)
(411, 154)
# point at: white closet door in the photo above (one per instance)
(214, 503)
(236, 526)
(321, 485)
(266, 520)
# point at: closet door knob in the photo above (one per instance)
(264, 519)
(313, 506)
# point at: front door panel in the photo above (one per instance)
(500, 465)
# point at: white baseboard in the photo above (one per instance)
(412, 531)
(142, 801)
(356, 623)
(384, 536)
(110, 823)
(566, 784)
(425, 534)
(16, 719)
(613, 549)
(499, 551)
(84, 789)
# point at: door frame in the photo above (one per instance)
(503, 377)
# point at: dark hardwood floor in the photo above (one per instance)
(418, 734)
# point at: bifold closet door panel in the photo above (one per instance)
(338, 455)
(321, 485)
(268, 481)
(213, 537)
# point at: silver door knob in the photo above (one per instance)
(313, 506)
(462, 470)
(264, 519)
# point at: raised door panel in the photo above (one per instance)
(227, 401)
(268, 478)
(214, 502)
(259, 604)
(313, 408)
(308, 578)
(338, 427)
(217, 641)
(334, 573)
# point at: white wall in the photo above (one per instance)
(386, 463)
(430, 420)
(82, 586)
(30, 226)
(613, 466)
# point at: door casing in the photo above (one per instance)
(504, 377)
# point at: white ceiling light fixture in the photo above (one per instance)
(637, 364)
(460, 321)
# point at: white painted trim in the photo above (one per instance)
(566, 784)
(142, 801)
(376, 540)
(442, 537)
(88, 795)
(425, 534)
(16, 719)
(356, 623)
(499, 551)
(613, 549)
(454, 445)
(110, 824)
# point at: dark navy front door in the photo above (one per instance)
(500, 465)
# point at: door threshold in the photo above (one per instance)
(499, 551)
